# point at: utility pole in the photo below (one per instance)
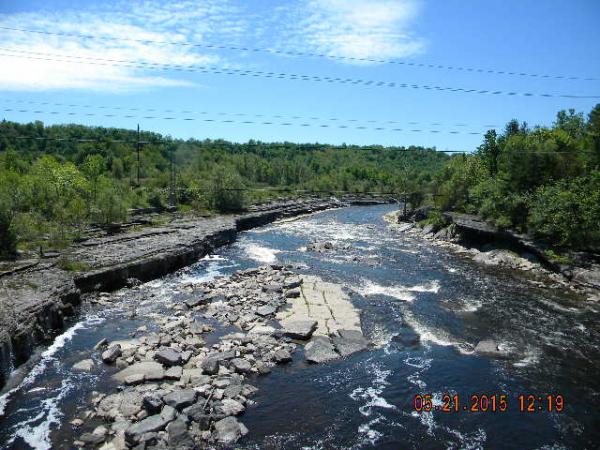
(172, 193)
(137, 146)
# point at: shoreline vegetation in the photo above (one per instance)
(59, 182)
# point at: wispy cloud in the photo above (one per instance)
(371, 29)
(176, 21)
(363, 28)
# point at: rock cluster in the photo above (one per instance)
(175, 390)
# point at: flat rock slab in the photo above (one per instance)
(266, 310)
(324, 303)
(181, 398)
(300, 329)
(152, 371)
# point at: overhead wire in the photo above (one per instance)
(75, 59)
(293, 53)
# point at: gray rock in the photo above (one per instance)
(198, 414)
(293, 293)
(232, 391)
(300, 329)
(148, 425)
(174, 373)
(431, 228)
(181, 398)
(491, 348)
(110, 356)
(229, 430)
(151, 370)
(319, 350)
(349, 341)
(193, 302)
(319, 247)
(179, 437)
(101, 344)
(91, 439)
(152, 403)
(168, 357)
(293, 283)
(85, 365)
(282, 356)
(210, 366)
(135, 378)
(230, 407)
(266, 310)
(241, 365)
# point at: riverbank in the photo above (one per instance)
(472, 237)
(37, 301)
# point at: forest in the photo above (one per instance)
(56, 181)
(541, 181)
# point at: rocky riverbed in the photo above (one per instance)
(176, 391)
(412, 318)
(541, 271)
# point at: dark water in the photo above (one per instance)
(424, 309)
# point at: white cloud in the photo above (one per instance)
(366, 29)
(174, 22)
(363, 29)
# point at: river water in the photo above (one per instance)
(423, 308)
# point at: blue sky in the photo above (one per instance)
(541, 37)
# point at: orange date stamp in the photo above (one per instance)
(494, 403)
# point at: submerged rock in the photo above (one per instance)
(491, 348)
(85, 365)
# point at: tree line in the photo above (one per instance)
(53, 186)
(544, 181)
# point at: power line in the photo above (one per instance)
(166, 141)
(305, 124)
(74, 59)
(221, 113)
(312, 54)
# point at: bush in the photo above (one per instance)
(568, 212)
(8, 238)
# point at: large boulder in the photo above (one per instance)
(241, 365)
(299, 329)
(349, 341)
(110, 356)
(150, 424)
(152, 371)
(180, 399)
(179, 437)
(168, 357)
(229, 430)
(319, 350)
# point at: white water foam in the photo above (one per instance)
(261, 254)
(47, 357)
(38, 436)
(436, 336)
(371, 395)
(368, 288)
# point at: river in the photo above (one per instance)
(424, 309)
